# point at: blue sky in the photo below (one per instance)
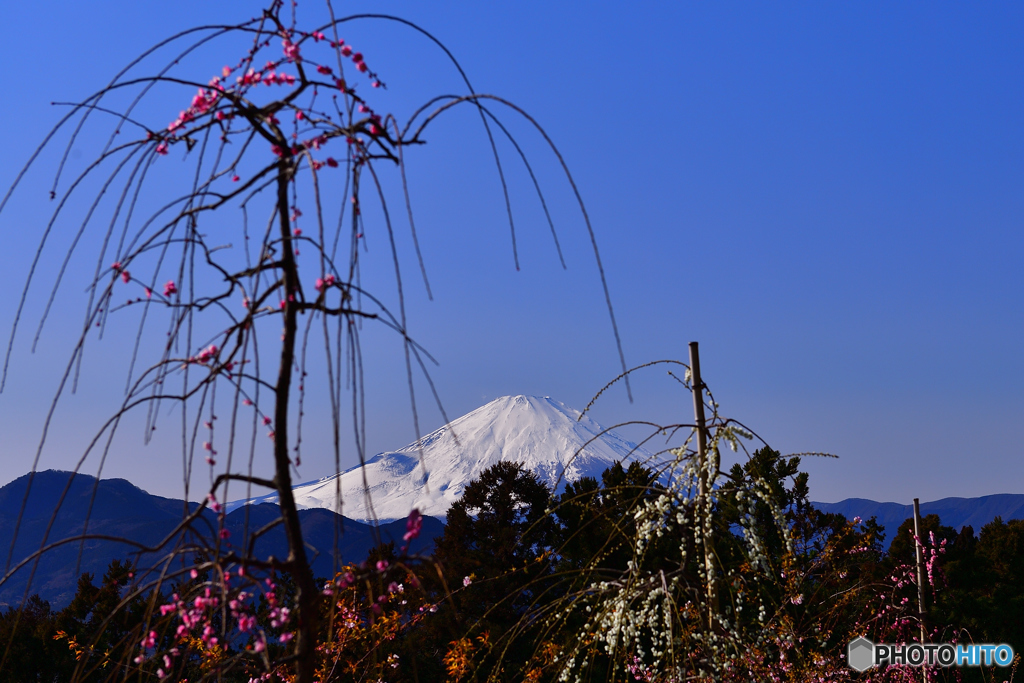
(827, 197)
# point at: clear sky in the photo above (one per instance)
(827, 196)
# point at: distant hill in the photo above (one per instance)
(121, 509)
(954, 512)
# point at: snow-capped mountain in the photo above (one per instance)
(541, 433)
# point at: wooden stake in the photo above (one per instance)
(698, 413)
(920, 572)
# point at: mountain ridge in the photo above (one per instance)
(121, 509)
(545, 436)
(954, 511)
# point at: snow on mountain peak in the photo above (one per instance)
(431, 474)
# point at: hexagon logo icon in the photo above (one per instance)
(860, 654)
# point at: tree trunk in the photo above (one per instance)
(306, 597)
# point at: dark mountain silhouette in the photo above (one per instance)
(954, 512)
(121, 510)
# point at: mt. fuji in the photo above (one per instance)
(430, 475)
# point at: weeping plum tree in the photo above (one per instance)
(289, 132)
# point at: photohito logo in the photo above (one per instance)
(862, 654)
